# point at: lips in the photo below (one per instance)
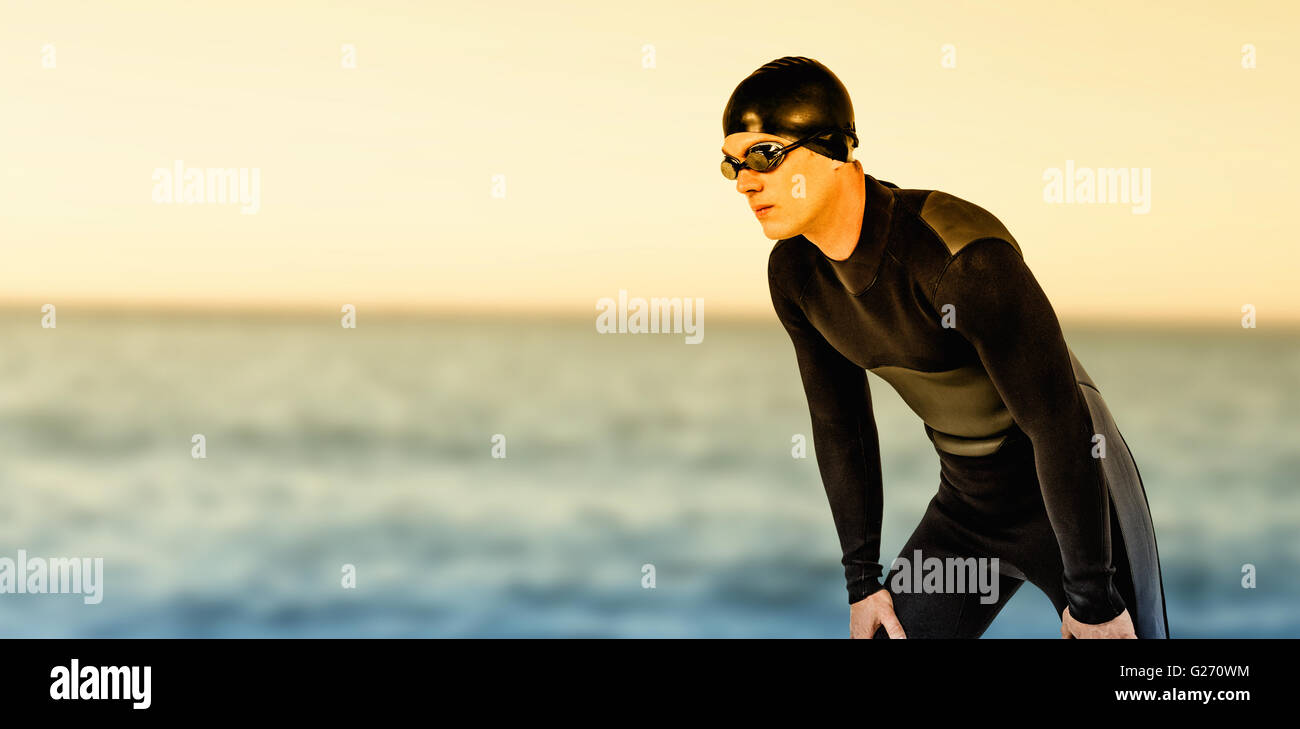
(762, 210)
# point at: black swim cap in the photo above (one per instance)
(794, 97)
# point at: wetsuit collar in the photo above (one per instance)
(858, 271)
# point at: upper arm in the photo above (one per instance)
(1000, 308)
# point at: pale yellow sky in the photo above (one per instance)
(376, 182)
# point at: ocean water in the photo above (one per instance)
(372, 447)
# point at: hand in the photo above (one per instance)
(1120, 626)
(875, 610)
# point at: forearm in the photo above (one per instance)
(1078, 507)
(848, 459)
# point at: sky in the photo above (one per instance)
(537, 157)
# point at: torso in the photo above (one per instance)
(877, 309)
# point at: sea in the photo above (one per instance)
(245, 474)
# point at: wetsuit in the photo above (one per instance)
(936, 299)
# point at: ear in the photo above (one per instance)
(836, 165)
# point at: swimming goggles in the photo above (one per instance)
(764, 156)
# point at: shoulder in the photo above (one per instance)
(957, 223)
(943, 237)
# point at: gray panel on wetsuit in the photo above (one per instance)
(962, 406)
(959, 222)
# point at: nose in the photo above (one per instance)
(749, 181)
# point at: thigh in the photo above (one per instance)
(997, 504)
(955, 610)
(1043, 567)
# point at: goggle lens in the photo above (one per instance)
(762, 157)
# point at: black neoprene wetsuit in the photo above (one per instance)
(936, 299)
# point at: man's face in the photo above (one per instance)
(789, 197)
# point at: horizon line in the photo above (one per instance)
(250, 309)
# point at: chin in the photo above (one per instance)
(774, 230)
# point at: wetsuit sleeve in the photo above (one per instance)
(1001, 310)
(846, 443)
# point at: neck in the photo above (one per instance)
(837, 229)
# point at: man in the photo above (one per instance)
(932, 294)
